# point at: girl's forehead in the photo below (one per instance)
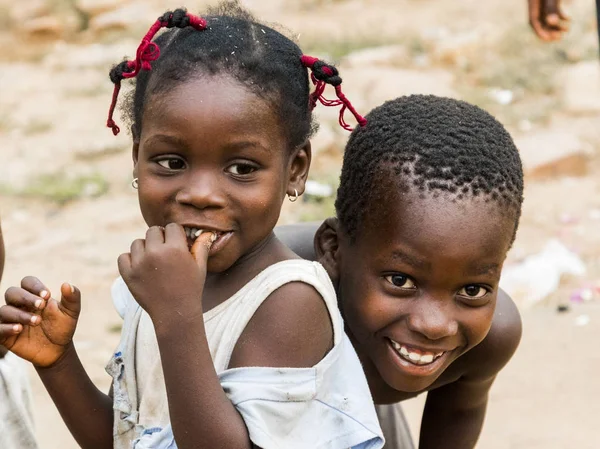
(199, 107)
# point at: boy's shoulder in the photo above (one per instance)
(486, 359)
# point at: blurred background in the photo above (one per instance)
(68, 209)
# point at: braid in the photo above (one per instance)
(262, 59)
(148, 51)
(322, 74)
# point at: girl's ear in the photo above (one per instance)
(327, 248)
(134, 154)
(299, 165)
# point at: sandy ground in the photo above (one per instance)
(51, 123)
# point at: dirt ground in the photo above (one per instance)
(68, 210)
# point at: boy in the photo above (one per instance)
(428, 205)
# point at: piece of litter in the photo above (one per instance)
(582, 320)
(539, 274)
(562, 308)
(501, 96)
(316, 189)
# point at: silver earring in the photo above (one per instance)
(293, 198)
(134, 183)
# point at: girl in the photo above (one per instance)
(252, 349)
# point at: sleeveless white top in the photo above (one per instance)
(325, 406)
(16, 418)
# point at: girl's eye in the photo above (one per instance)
(400, 280)
(473, 291)
(172, 163)
(241, 169)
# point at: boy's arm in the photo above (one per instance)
(454, 413)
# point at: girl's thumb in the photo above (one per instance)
(201, 246)
(70, 298)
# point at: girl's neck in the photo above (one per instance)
(221, 286)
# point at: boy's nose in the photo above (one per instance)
(204, 191)
(433, 319)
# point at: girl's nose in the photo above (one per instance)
(203, 191)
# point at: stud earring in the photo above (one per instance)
(293, 198)
(134, 183)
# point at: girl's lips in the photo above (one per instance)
(220, 237)
(220, 242)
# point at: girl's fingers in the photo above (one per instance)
(175, 235)
(35, 286)
(155, 236)
(12, 315)
(21, 298)
(137, 251)
(201, 247)
(70, 300)
(9, 330)
(124, 264)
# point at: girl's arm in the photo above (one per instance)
(3, 350)
(87, 411)
(201, 414)
(40, 329)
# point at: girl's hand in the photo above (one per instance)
(164, 276)
(36, 327)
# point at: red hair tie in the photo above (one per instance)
(321, 75)
(147, 52)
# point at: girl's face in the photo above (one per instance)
(418, 286)
(212, 156)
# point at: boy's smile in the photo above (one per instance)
(419, 283)
(212, 157)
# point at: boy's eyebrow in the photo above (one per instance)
(487, 268)
(411, 260)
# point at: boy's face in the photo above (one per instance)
(418, 286)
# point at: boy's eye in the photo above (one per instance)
(172, 163)
(473, 291)
(400, 280)
(241, 169)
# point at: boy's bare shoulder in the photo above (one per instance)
(291, 328)
(497, 348)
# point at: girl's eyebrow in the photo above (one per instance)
(165, 138)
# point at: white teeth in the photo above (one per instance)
(198, 233)
(415, 357)
(428, 358)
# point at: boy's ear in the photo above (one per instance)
(299, 165)
(327, 248)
